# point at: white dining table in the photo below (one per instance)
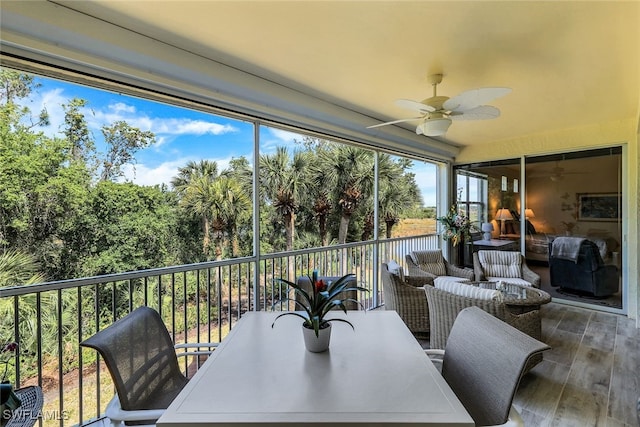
(375, 374)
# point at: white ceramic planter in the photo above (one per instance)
(317, 344)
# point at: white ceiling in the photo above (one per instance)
(570, 64)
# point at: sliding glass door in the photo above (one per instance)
(572, 198)
(577, 196)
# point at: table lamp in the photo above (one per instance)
(528, 213)
(487, 228)
(503, 215)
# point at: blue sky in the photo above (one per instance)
(181, 134)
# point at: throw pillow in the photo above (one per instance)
(501, 263)
(395, 268)
(431, 262)
(469, 291)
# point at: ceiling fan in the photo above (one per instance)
(556, 174)
(437, 112)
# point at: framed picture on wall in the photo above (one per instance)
(599, 206)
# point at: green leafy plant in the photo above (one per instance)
(322, 298)
(456, 226)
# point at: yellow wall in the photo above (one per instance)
(622, 132)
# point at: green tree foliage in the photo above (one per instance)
(53, 206)
(77, 131)
(132, 229)
(123, 141)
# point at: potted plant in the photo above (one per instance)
(316, 303)
(457, 228)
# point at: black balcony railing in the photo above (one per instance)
(199, 303)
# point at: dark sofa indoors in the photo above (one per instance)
(587, 274)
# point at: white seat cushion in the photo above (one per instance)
(514, 280)
(469, 291)
(442, 279)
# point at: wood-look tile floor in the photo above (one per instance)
(590, 377)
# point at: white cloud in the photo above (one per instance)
(162, 174)
(191, 127)
(278, 137)
(52, 101)
(122, 107)
(142, 174)
(98, 116)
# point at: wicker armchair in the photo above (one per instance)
(430, 264)
(408, 300)
(505, 266)
(445, 306)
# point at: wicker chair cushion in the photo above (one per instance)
(469, 291)
(443, 279)
(501, 263)
(430, 261)
(395, 268)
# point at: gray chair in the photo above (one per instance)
(407, 299)
(143, 364)
(31, 402)
(431, 265)
(483, 363)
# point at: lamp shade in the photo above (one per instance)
(528, 213)
(503, 214)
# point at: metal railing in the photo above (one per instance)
(198, 302)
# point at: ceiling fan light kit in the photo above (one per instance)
(438, 112)
(433, 127)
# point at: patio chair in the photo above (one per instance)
(504, 266)
(445, 305)
(407, 299)
(483, 363)
(143, 364)
(432, 266)
(31, 402)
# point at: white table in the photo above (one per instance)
(377, 374)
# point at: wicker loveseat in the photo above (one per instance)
(408, 299)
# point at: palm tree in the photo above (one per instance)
(18, 268)
(282, 183)
(193, 186)
(352, 170)
(320, 184)
(231, 206)
(397, 190)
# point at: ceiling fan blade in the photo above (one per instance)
(473, 98)
(415, 106)
(483, 112)
(394, 122)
